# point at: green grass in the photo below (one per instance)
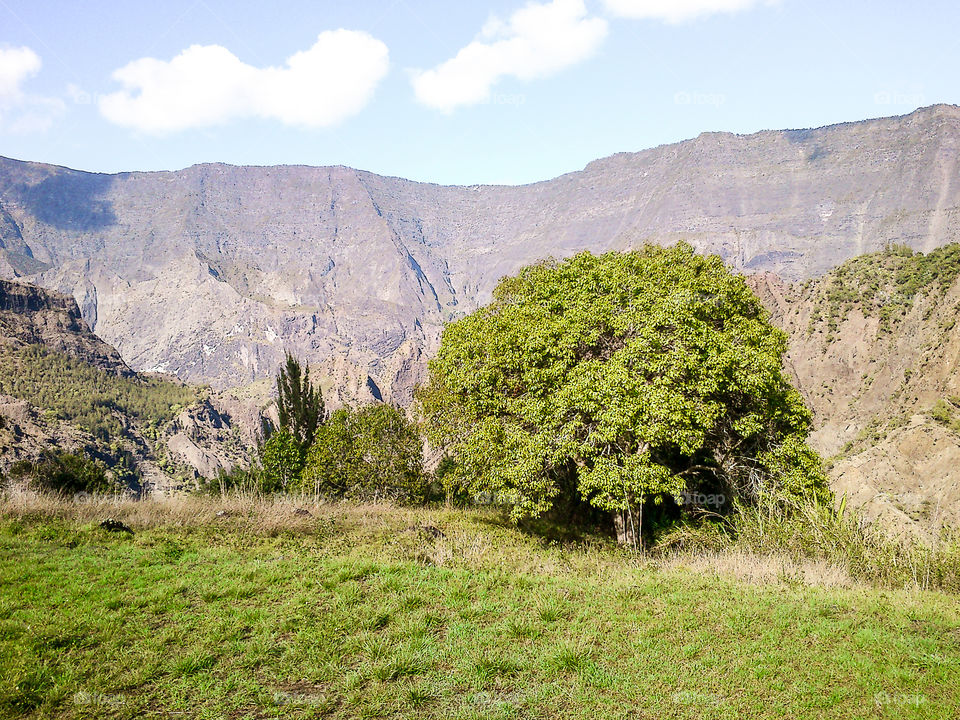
(352, 613)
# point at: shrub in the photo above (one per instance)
(237, 479)
(371, 453)
(64, 473)
(282, 460)
(94, 399)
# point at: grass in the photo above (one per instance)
(352, 612)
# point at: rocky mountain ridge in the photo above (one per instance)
(32, 316)
(62, 389)
(210, 273)
(877, 359)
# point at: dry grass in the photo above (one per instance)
(759, 569)
(430, 536)
(262, 515)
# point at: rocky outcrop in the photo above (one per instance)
(33, 316)
(874, 392)
(204, 438)
(210, 273)
(200, 442)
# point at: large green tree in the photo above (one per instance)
(630, 378)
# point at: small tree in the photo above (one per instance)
(299, 404)
(282, 460)
(371, 453)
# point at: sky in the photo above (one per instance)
(498, 91)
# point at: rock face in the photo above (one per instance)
(211, 272)
(32, 316)
(873, 391)
(203, 438)
(200, 442)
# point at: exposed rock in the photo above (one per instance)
(111, 525)
(872, 393)
(33, 316)
(200, 442)
(210, 273)
(25, 434)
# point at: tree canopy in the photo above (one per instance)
(373, 452)
(630, 377)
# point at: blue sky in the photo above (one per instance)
(481, 92)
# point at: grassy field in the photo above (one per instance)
(381, 612)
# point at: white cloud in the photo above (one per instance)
(16, 65)
(22, 112)
(208, 85)
(537, 40)
(677, 11)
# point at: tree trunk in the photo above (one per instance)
(627, 524)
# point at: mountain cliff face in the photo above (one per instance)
(31, 316)
(211, 272)
(874, 346)
(62, 388)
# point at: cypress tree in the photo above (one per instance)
(299, 403)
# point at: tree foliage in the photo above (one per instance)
(639, 375)
(282, 462)
(374, 452)
(299, 404)
(96, 400)
(64, 473)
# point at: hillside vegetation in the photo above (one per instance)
(243, 608)
(146, 433)
(874, 348)
(102, 403)
(884, 285)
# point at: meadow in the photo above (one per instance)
(268, 608)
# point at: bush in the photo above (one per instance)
(64, 473)
(808, 529)
(885, 284)
(373, 453)
(282, 460)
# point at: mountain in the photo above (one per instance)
(62, 389)
(874, 347)
(32, 316)
(209, 273)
